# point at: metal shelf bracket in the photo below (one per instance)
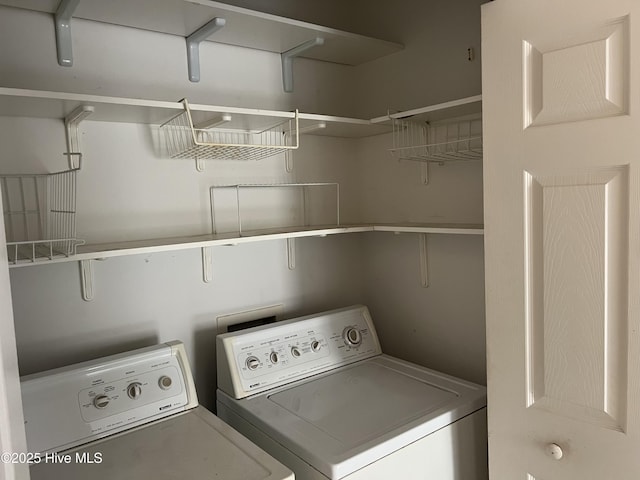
(86, 280)
(424, 173)
(424, 261)
(62, 22)
(207, 264)
(71, 124)
(291, 253)
(193, 45)
(287, 60)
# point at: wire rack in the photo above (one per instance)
(454, 140)
(307, 205)
(183, 140)
(40, 215)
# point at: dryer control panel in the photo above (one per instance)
(258, 359)
(73, 405)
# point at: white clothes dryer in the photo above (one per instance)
(319, 395)
(133, 416)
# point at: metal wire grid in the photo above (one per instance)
(185, 141)
(39, 214)
(438, 143)
(305, 200)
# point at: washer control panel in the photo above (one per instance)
(261, 358)
(76, 404)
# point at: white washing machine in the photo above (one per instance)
(318, 394)
(133, 416)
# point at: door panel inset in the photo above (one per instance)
(576, 244)
(581, 81)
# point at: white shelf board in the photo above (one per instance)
(138, 247)
(17, 102)
(440, 111)
(438, 228)
(342, 126)
(244, 28)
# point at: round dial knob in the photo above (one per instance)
(316, 346)
(554, 451)
(252, 363)
(295, 351)
(101, 401)
(134, 390)
(165, 382)
(274, 357)
(352, 336)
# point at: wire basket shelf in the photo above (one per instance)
(40, 216)
(450, 141)
(184, 140)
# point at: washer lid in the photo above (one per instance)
(358, 404)
(350, 417)
(195, 445)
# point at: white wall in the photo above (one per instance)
(146, 299)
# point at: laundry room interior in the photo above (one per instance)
(129, 189)
(180, 247)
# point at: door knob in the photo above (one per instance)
(554, 451)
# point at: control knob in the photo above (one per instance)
(295, 351)
(316, 346)
(352, 337)
(274, 357)
(165, 382)
(252, 363)
(101, 401)
(134, 390)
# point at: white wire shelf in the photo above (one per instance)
(39, 215)
(184, 139)
(305, 205)
(448, 141)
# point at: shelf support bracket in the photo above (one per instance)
(62, 22)
(424, 261)
(86, 280)
(424, 173)
(193, 45)
(291, 253)
(71, 124)
(287, 60)
(207, 264)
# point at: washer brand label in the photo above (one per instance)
(254, 385)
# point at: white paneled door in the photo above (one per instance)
(561, 93)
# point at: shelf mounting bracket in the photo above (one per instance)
(71, 124)
(86, 280)
(287, 60)
(424, 261)
(193, 45)
(207, 264)
(424, 173)
(291, 253)
(62, 22)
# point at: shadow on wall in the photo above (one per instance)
(46, 355)
(204, 365)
